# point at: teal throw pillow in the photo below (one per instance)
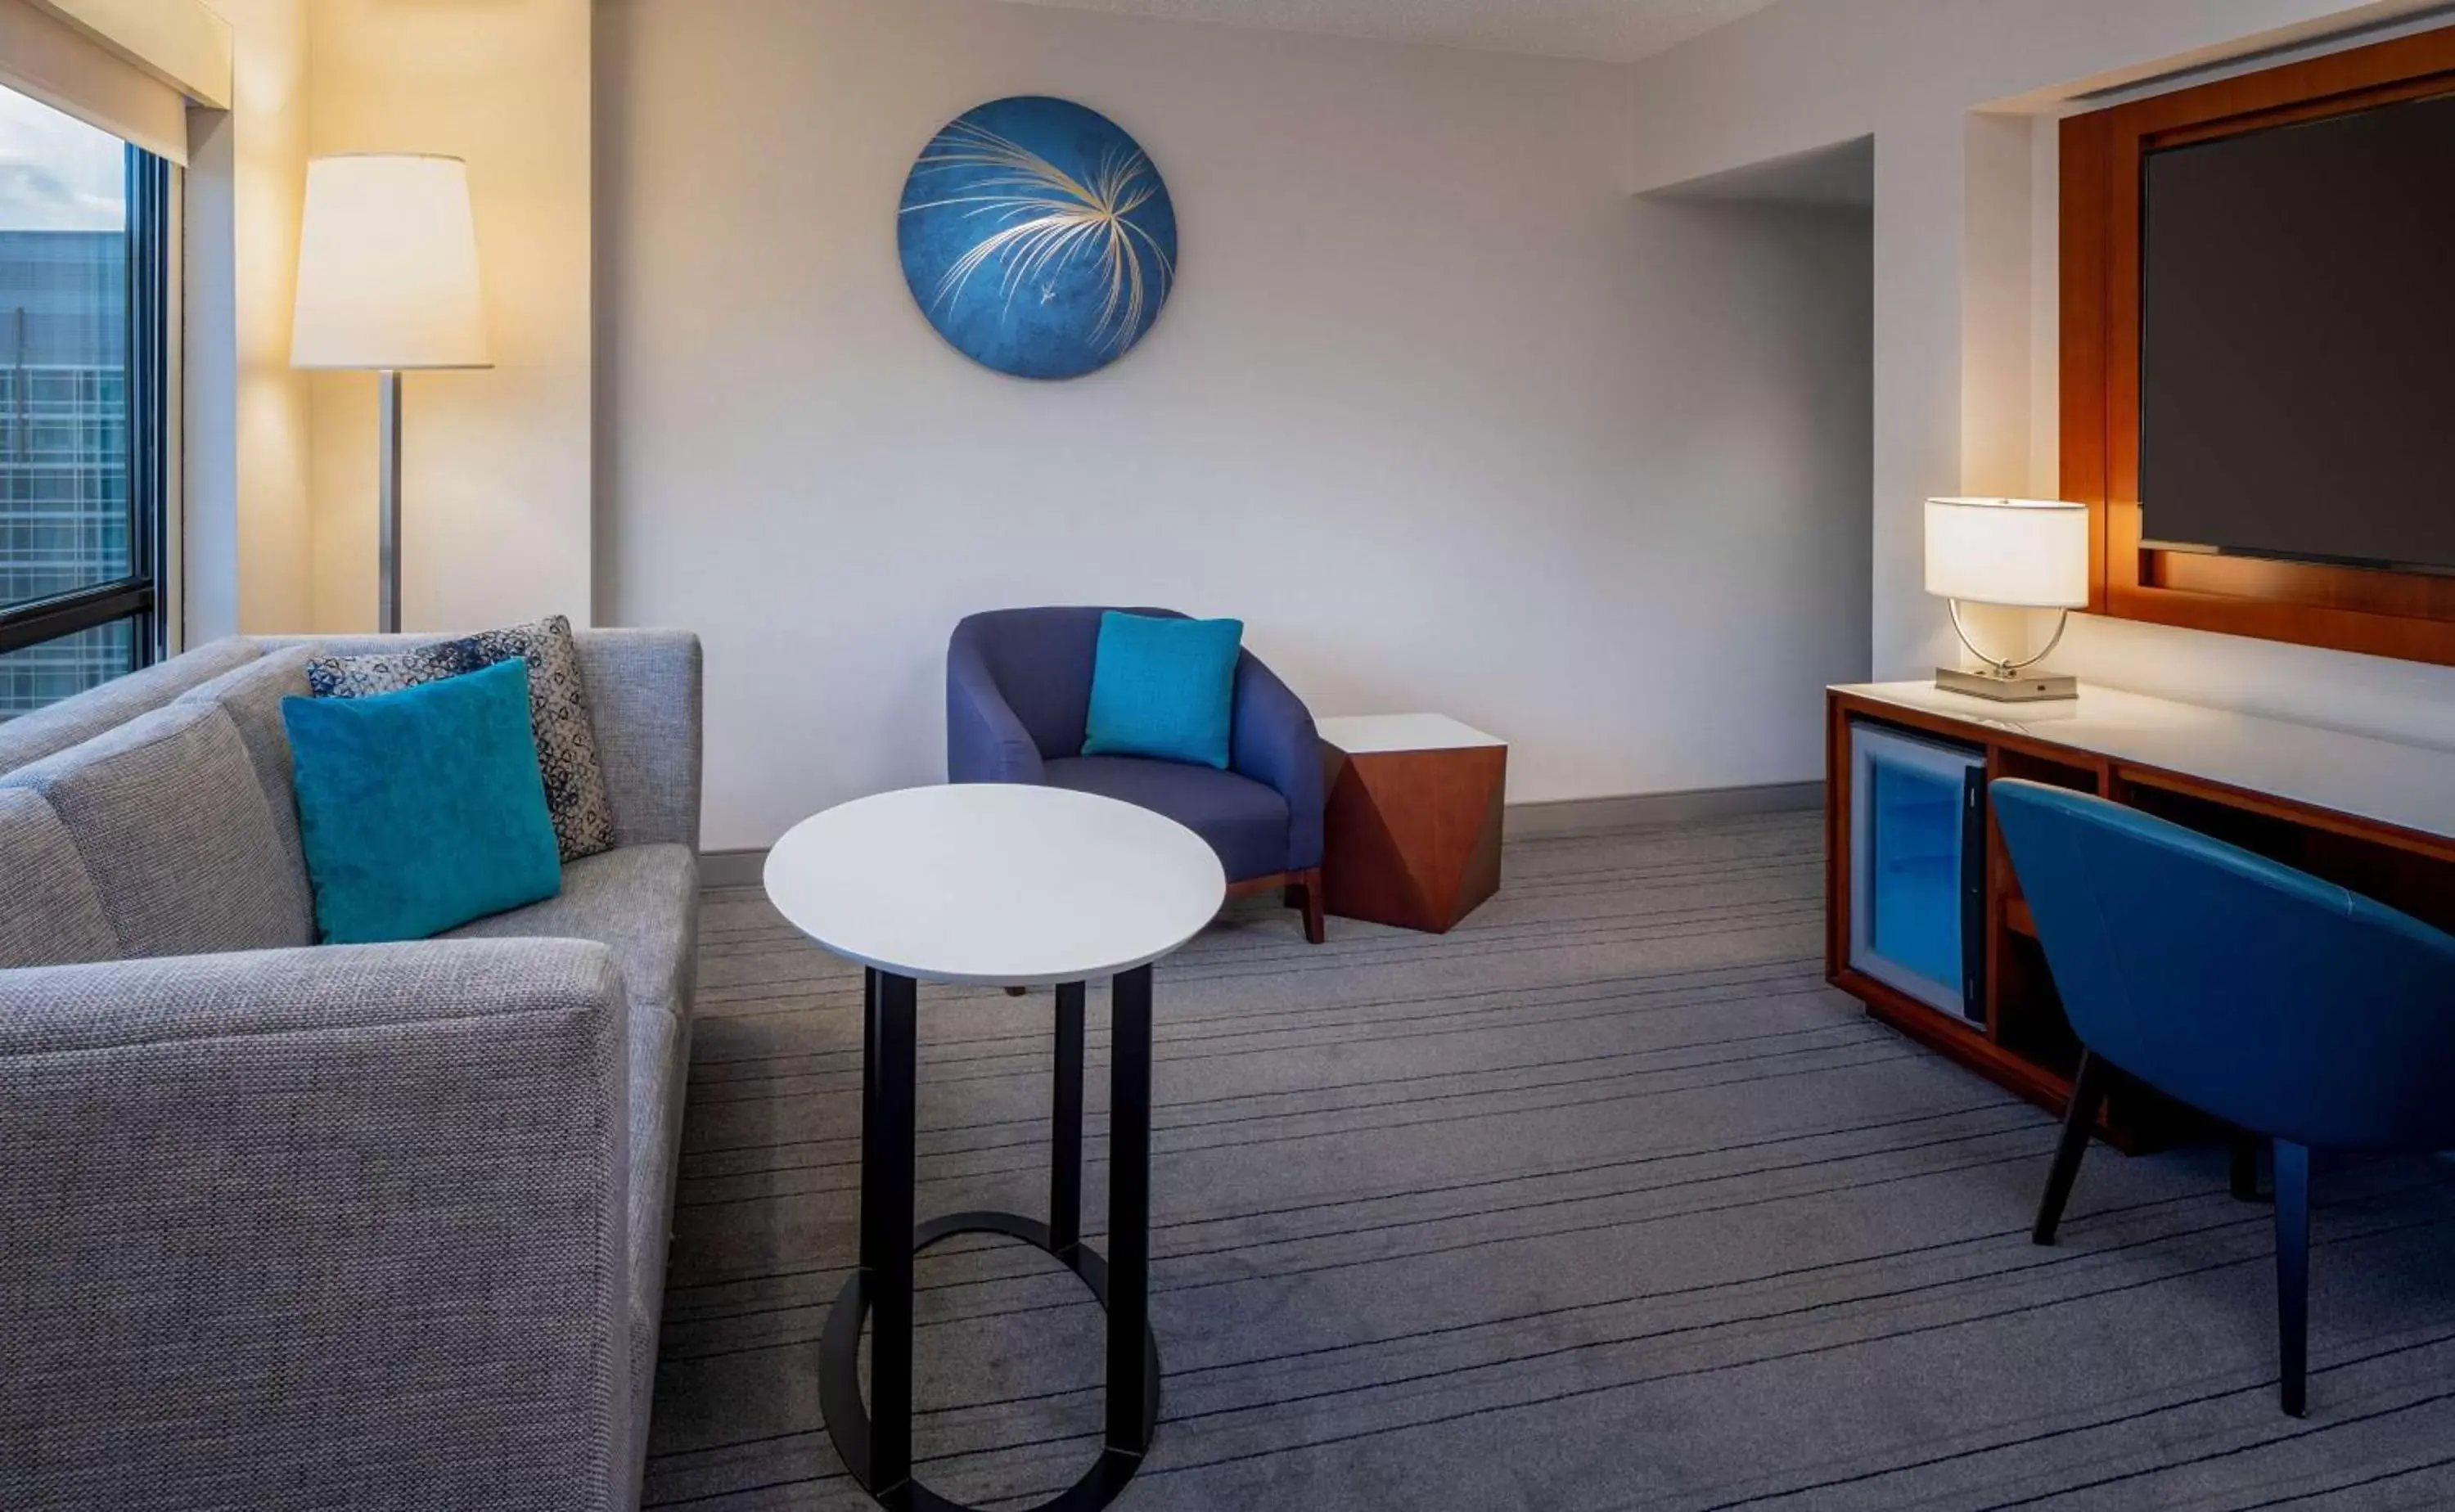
(1162, 688)
(423, 809)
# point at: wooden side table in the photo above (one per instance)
(1411, 833)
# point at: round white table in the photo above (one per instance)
(1002, 885)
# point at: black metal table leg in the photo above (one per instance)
(886, 1180)
(875, 1438)
(1066, 1132)
(1132, 1397)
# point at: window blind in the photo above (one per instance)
(83, 57)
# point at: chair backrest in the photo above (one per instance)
(2252, 991)
(1040, 659)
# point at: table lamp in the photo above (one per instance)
(388, 281)
(2030, 553)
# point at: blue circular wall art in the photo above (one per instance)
(1038, 237)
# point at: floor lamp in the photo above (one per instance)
(388, 282)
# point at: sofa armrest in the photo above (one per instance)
(644, 699)
(294, 1228)
(985, 740)
(1274, 743)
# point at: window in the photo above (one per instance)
(84, 231)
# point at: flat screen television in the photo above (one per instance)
(2296, 359)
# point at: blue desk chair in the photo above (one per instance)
(1019, 693)
(2281, 1004)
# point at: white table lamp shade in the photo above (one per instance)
(388, 266)
(2028, 553)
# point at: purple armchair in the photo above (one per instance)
(1019, 690)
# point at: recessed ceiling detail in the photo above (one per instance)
(1607, 31)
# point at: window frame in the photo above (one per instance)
(140, 595)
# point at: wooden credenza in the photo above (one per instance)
(2374, 816)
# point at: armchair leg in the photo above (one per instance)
(2245, 1166)
(2088, 1095)
(2293, 1275)
(1308, 885)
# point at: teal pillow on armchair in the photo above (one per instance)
(1162, 688)
(423, 809)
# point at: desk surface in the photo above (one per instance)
(2386, 781)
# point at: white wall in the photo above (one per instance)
(245, 428)
(1964, 377)
(1450, 420)
(280, 467)
(496, 466)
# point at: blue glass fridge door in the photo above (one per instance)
(1916, 876)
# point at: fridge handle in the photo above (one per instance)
(1973, 894)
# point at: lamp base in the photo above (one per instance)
(2017, 687)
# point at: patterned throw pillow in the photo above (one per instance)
(566, 742)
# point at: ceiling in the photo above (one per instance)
(1608, 30)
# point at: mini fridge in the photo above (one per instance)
(1917, 867)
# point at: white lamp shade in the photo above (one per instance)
(388, 266)
(2030, 552)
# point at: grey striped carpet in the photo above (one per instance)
(1603, 1200)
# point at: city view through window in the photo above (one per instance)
(64, 512)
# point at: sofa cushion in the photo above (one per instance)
(565, 737)
(49, 913)
(642, 901)
(251, 695)
(171, 825)
(646, 736)
(29, 738)
(421, 810)
(643, 708)
(1244, 820)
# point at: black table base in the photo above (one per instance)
(875, 1441)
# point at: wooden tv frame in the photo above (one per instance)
(2379, 612)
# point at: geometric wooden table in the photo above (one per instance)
(995, 884)
(1411, 835)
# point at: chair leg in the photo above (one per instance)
(2293, 1274)
(2088, 1094)
(1315, 925)
(2244, 1165)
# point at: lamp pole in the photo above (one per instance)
(387, 501)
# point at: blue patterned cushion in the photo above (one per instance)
(1162, 688)
(567, 739)
(423, 809)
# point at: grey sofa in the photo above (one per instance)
(286, 1225)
